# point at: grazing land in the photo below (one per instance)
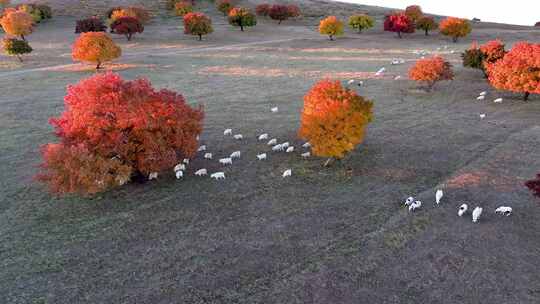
(334, 234)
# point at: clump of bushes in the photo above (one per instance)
(197, 24)
(455, 28)
(127, 26)
(518, 71)
(431, 70)
(224, 6)
(481, 57)
(17, 23)
(39, 12)
(331, 26)
(361, 22)
(95, 47)
(92, 24)
(334, 119)
(426, 24)
(399, 23)
(113, 130)
(474, 58)
(242, 17)
(16, 47)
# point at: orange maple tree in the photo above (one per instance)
(334, 119)
(431, 70)
(17, 23)
(518, 71)
(113, 130)
(95, 47)
(331, 26)
(455, 28)
(197, 24)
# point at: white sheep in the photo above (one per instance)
(498, 100)
(238, 136)
(306, 145)
(226, 161)
(481, 97)
(263, 136)
(277, 148)
(201, 148)
(350, 82)
(285, 145)
(476, 214)
(409, 201)
(201, 172)
(179, 174)
(290, 149)
(261, 156)
(235, 154)
(415, 205)
(380, 71)
(504, 210)
(482, 116)
(179, 167)
(186, 161)
(306, 155)
(483, 93)
(287, 172)
(152, 176)
(208, 156)
(218, 175)
(227, 132)
(438, 196)
(272, 142)
(398, 77)
(274, 109)
(462, 209)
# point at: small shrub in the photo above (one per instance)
(224, 6)
(45, 11)
(334, 119)
(182, 8)
(262, 9)
(361, 22)
(398, 23)
(414, 12)
(241, 16)
(534, 185)
(331, 26)
(197, 24)
(426, 24)
(455, 28)
(113, 130)
(293, 11)
(474, 58)
(127, 26)
(16, 47)
(95, 47)
(17, 23)
(92, 24)
(518, 71)
(431, 70)
(278, 12)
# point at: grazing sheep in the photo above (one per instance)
(482, 116)
(277, 148)
(152, 176)
(360, 83)
(263, 136)
(272, 142)
(438, 196)
(398, 77)
(306, 145)
(481, 97)
(306, 155)
(218, 175)
(462, 209)
(227, 132)
(235, 154)
(274, 109)
(415, 205)
(179, 167)
(504, 210)
(350, 82)
(409, 201)
(380, 71)
(208, 155)
(285, 145)
(498, 100)
(261, 156)
(476, 214)
(226, 161)
(201, 148)
(186, 161)
(287, 173)
(238, 136)
(290, 149)
(201, 172)
(483, 93)
(179, 174)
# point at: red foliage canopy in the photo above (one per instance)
(534, 185)
(279, 12)
(127, 26)
(113, 129)
(399, 23)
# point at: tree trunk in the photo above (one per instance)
(359, 30)
(241, 27)
(128, 36)
(526, 97)
(399, 35)
(331, 37)
(328, 161)
(279, 21)
(19, 57)
(22, 37)
(427, 32)
(455, 39)
(98, 66)
(200, 37)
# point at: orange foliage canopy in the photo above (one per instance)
(518, 71)
(334, 119)
(331, 26)
(17, 23)
(414, 12)
(455, 27)
(493, 51)
(113, 130)
(95, 47)
(431, 70)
